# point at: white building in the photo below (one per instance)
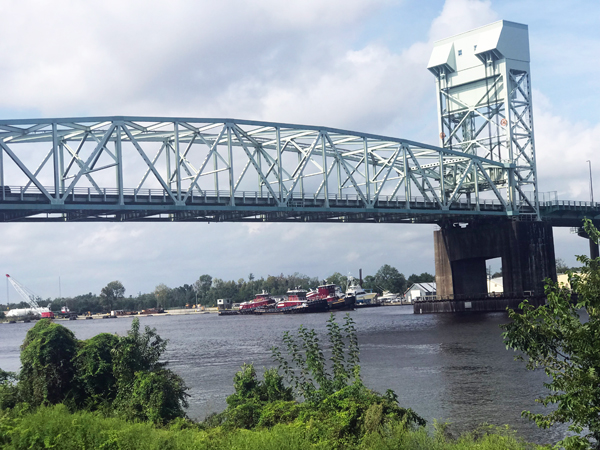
(495, 285)
(420, 291)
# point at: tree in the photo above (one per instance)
(111, 293)
(337, 279)
(388, 278)
(561, 267)
(161, 292)
(562, 338)
(158, 396)
(9, 393)
(423, 278)
(202, 286)
(146, 390)
(47, 369)
(95, 378)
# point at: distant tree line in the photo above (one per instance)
(207, 289)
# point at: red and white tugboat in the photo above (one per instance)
(298, 302)
(262, 301)
(334, 296)
(296, 297)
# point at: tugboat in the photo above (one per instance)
(261, 302)
(296, 297)
(299, 303)
(336, 300)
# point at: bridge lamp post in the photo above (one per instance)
(591, 186)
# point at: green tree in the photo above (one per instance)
(561, 337)
(202, 287)
(95, 378)
(111, 293)
(161, 292)
(145, 388)
(388, 278)
(47, 369)
(561, 266)
(337, 279)
(158, 396)
(423, 278)
(9, 393)
(137, 352)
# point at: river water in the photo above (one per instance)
(452, 368)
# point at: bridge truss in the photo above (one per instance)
(155, 168)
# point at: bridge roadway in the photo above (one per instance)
(24, 204)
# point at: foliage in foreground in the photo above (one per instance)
(337, 407)
(115, 374)
(56, 427)
(561, 337)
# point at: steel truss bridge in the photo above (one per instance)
(182, 169)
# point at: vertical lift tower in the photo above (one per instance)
(484, 108)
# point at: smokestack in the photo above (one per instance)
(360, 276)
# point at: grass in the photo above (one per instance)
(57, 428)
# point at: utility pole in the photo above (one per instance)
(591, 185)
(594, 251)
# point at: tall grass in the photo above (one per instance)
(55, 427)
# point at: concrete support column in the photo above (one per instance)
(526, 249)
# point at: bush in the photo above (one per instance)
(251, 396)
(96, 382)
(337, 410)
(9, 393)
(113, 374)
(47, 369)
(158, 397)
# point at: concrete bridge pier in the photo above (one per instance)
(527, 252)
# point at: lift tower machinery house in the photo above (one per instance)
(484, 109)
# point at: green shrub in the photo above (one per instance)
(47, 369)
(9, 393)
(157, 396)
(137, 352)
(146, 390)
(338, 409)
(245, 406)
(95, 380)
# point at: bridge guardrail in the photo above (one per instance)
(135, 195)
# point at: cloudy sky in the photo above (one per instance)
(353, 64)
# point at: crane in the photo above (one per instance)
(29, 298)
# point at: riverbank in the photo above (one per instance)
(56, 427)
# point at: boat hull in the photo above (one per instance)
(342, 304)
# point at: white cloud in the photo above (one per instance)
(295, 62)
(562, 149)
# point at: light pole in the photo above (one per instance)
(594, 251)
(591, 186)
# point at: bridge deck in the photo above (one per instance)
(19, 203)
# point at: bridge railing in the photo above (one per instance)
(83, 194)
(570, 203)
